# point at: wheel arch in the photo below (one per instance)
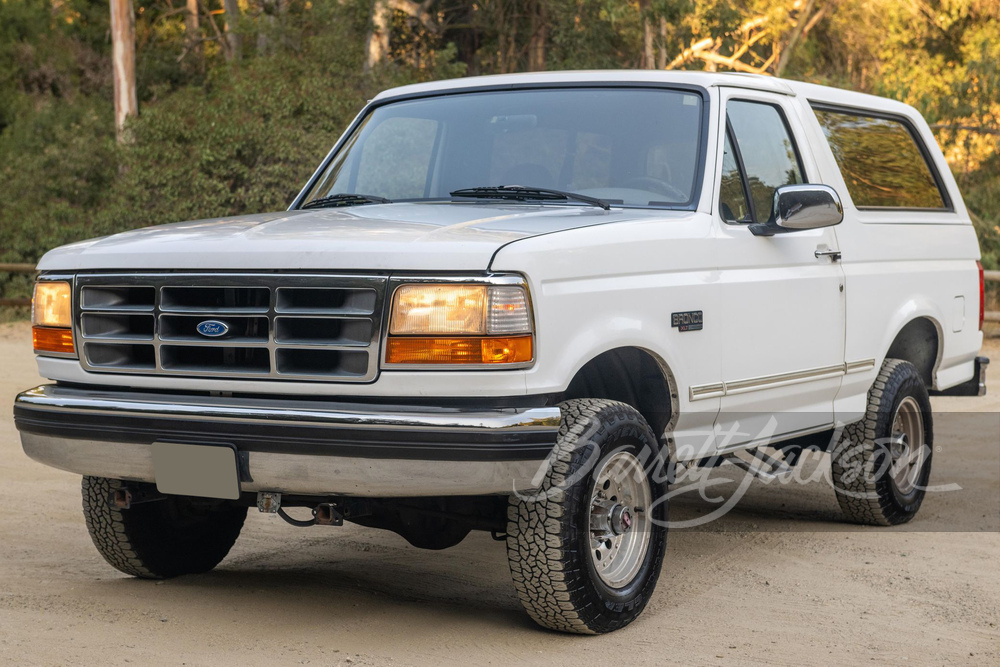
(919, 341)
(635, 376)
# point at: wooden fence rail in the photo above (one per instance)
(23, 268)
(991, 277)
(16, 268)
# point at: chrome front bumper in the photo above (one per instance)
(294, 446)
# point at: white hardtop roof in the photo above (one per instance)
(703, 79)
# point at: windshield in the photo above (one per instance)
(632, 147)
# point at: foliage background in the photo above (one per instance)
(216, 136)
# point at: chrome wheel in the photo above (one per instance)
(619, 519)
(906, 445)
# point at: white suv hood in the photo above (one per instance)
(400, 237)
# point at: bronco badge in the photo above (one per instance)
(687, 321)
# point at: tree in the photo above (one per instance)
(234, 42)
(123, 65)
(272, 120)
(762, 43)
(539, 36)
(271, 19)
(804, 22)
(377, 41)
(192, 33)
(648, 59)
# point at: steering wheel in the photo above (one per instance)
(655, 185)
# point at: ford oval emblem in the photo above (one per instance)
(213, 328)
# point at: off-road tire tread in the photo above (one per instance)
(548, 571)
(863, 499)
(106, 526)
(147, 551)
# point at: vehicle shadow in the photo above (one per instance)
(309, 576)
(963, 492)
(353, 572)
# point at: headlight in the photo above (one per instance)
(438, 309)
(52, 318)
(50, 306)
(459, 324)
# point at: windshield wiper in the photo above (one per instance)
(344, 199)
(524, 193)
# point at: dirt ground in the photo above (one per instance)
(781, 580)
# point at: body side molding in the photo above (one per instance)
(730, 387)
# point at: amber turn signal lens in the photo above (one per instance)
(490, 350)
(48, 339)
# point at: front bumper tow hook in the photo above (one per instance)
(268, 502)
(327, 514)
(123, 498)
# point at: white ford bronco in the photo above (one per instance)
(518, 304)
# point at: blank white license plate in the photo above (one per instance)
(205, 471)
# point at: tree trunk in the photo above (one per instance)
(266, 24)
(467, 38)
(192, 34)
(123, 65)
(800, 23)
(377, 43)
(539, 35)
(661, 53)
(235, 45)
(648, 59)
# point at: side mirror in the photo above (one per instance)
(798, 207)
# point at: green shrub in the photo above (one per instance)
(243, 139)
(57, 166)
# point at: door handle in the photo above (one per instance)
(832, 254)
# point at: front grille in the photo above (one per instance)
(277, 326)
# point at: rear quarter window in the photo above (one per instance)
(881, 161)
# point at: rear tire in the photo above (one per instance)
(586, 552)
(162, 538)
(883, 462)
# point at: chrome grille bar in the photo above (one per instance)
(281, 326)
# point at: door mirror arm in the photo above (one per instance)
(799, 207)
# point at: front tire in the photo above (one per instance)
(586, 551)
(162, 538)
(883, 462)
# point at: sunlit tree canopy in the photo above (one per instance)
(240, 99)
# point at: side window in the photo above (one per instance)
(765, 150)
(397, 158)
(880, 160)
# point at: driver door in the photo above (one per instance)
(782, 299)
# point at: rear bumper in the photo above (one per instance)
(974, 387)
(294, 446)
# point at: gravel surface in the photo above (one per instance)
(780, 580)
